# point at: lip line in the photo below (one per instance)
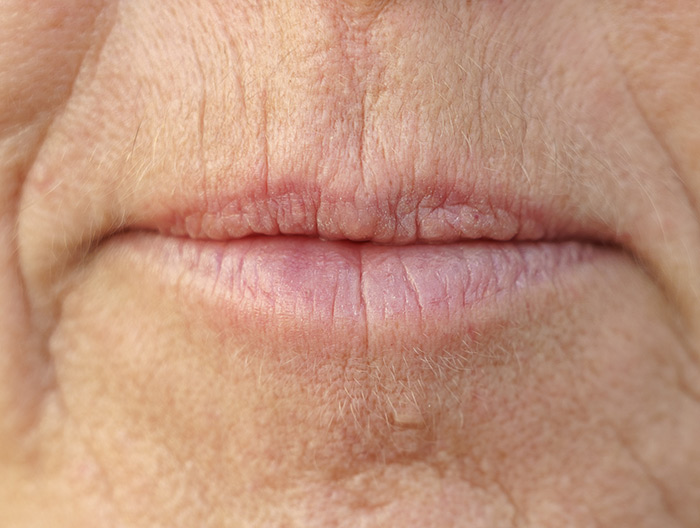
(147, 231)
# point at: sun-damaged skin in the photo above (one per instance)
(350, 263)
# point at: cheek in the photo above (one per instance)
(50, 42)
(657, 47)
(561, 411)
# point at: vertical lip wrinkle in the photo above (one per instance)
(362, 283)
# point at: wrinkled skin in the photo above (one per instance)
(121, 405)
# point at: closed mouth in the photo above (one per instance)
(305, 268)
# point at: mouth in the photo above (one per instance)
(329, 226)
(420, 251)
(364, 273)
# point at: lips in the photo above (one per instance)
(326, 217)
(384, 270)
(305, 289)
(398, 252)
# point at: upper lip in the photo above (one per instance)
(436, 211)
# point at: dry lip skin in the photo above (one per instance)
(322, 284)
(304, 264)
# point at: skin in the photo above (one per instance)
(121, 404)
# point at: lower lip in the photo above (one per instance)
(325, 295)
